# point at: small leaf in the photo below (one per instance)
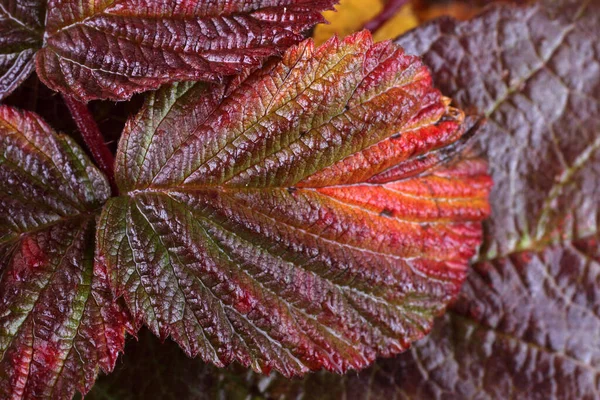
(21, 32)
(113, 49)
(281, 226)
(58, 322)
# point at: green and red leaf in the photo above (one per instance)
(113, 49)
(58, 321)
(295, 221)
(526, 324)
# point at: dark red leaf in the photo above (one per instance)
(58, 321)
(113, 49)
(540, 90)
(281, 226)
(21, 32)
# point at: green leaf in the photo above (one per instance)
(58, 321)
(295, 221)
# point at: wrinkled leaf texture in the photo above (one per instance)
(21, 30)
(526, 324)
(111, 49)
(58, 323)
(295, 223)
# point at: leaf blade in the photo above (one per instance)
(276, 258)
(525, 324)
(56, 306)
(115, 49)
(21, 31)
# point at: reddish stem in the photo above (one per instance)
(389, 10)
(93, 138)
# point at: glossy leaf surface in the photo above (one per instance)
(58, 322)
(526, 325)
(480, 349)
(295, 223)
(111, 49)
(21, 32)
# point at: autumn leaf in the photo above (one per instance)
(58, 322)
(21, 31)
(111, 50)
(543, 114)
(526, 324)
(295, 223)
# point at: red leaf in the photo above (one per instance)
(58, 321)
(272, 226)
(526, 324)
(109, 49)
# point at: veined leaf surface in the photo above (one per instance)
(58, 321)
(295, 221)
(111, 49)
(21, 32)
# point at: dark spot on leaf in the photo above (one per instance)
(386, 212)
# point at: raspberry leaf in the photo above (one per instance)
(543, 113)
(114, 48)
(295, 221)
(526, 323)
(58, 321)
(21, 32)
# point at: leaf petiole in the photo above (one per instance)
(93, 139)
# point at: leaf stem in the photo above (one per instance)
(93, 139)
(389, 10)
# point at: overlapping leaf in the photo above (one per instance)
(21, 31)
(112, 49)
(526, 325)
(58, 323)
(282, 225)
(543, 113)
